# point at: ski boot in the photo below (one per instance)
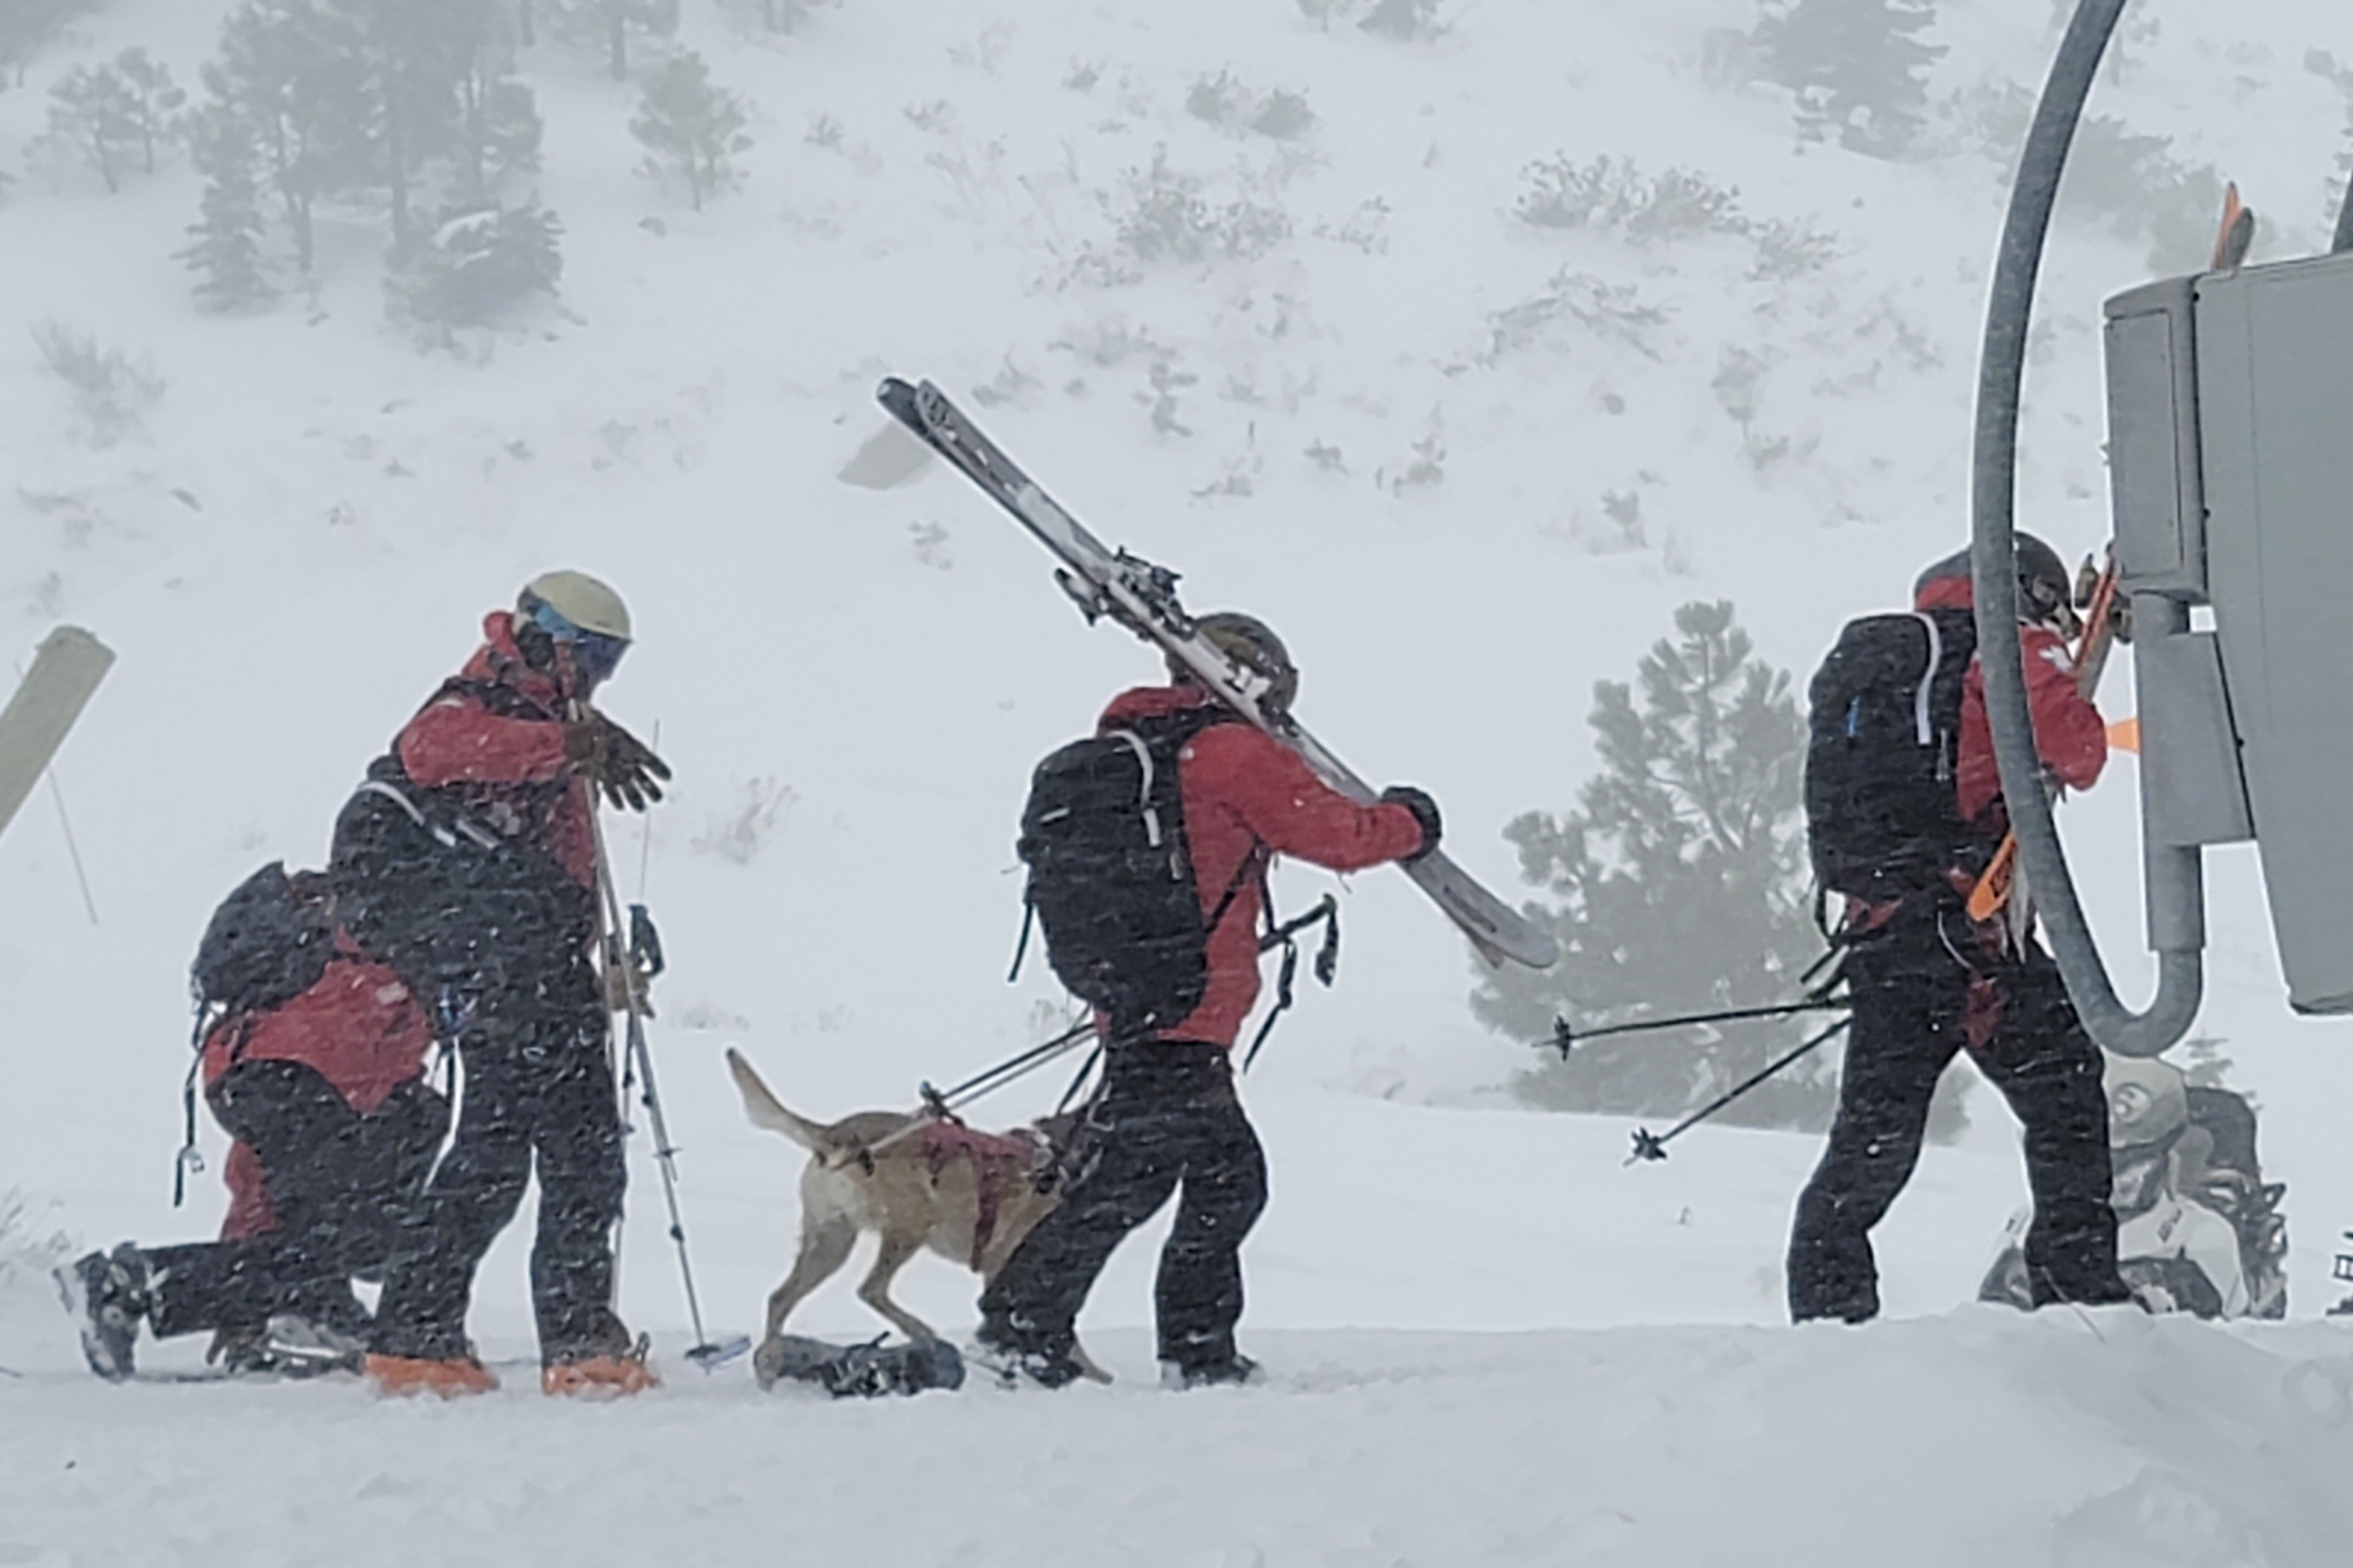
(865, 1370)
(288, 1345)
(1018, 1366)
(1233, 1369)
(106, 1296)
(604, 1374)
(450, 1377)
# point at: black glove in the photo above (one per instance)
(1425, 812)
(612, 760)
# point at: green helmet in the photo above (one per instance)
(1254, 643)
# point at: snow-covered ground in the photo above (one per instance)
(1489, 1341)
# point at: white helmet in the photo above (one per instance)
(586, 602)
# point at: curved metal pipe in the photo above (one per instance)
(1993, 562)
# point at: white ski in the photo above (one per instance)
(65, 672)
(1142, 597)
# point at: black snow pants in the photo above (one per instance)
(1166, 1114)
(342, 1185)
(498, 933)
(537, 1093)
(1916, 1001)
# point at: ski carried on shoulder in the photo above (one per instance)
(1141, 596)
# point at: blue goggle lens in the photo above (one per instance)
(595, 655)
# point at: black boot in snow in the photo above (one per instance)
(1235, 1368)
(106, 1295)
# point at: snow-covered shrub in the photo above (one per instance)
(1231, 105)
(1786, 251)
(111, 392)
(478, 266)
(1613, 194)
(1403, 19)
(1614, 311)
(1163, 217)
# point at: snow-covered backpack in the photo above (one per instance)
(1881, 816)
(1111, 878)
(267, 942)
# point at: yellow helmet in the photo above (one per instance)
(584, 602)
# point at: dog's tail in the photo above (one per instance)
(767, 1110)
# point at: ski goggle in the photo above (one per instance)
(595, 655)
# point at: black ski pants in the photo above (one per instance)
(537, 1093)
(1166, 1114)
(1913, 1010)
(342, 1185)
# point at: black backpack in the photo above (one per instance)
(1882, 818)
(1110, 878)
(268, 943)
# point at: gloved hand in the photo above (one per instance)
(1425, 812)
(612, 760)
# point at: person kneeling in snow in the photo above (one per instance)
(2197, 1228)
(324, 1091)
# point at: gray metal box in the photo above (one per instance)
(2274, 415)
(2153, 464)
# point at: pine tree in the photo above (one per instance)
(282, 75)
(610, 24)
(691, 128)
(115, 115)
(226, 254)
(1680, 883)
(1856, 67)
(27, 24)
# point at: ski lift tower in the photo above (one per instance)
(2230, 465)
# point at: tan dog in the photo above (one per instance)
(916, 1181)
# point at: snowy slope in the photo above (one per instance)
(296, 548)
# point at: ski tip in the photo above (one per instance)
(899, 398)
(710, 1357)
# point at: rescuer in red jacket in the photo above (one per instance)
(1927, 983)
(468, 859)
(1168, 1111)
(335, 1128)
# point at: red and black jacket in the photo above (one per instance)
(2069, 734)
(1248, 798)
(491, 742)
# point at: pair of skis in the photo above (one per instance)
(1141, 596)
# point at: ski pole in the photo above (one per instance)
(1564, 1036)
(1006, 1072)
(704, 1353)
(1649, 1145)
(943, 1103)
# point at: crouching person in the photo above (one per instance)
(314, 1058)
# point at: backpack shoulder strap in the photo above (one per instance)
(501, 701)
